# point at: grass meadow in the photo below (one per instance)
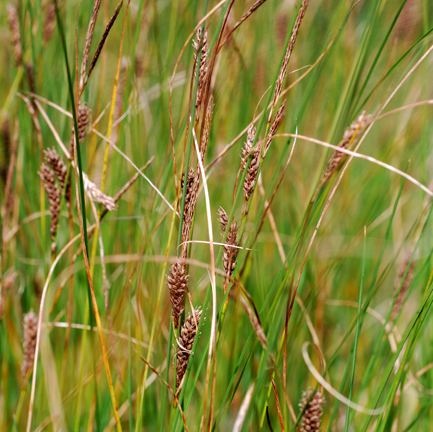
(216, 215)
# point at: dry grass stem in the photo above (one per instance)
(96, 195)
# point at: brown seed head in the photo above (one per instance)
(312, 410)
(192, 185)
(83, 120)
(201, 50)
(30, 328)
(223, 218)
(55, 162)
(230, 252)
(48, 179)
(274, 126)
(247, 149)
(177, 281)
(186, 341)
(350, 137)
(252, 173)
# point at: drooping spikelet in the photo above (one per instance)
(30, 328)
(53, 192)
(177, 281)
(230, 252)
(200, 55)
(252, 173)
(186, 341)
(14, 27)
(223, 218)
(312, 410)
(97, 195)
(247, 149)
(350, 137)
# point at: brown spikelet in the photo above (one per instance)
(186, 341)
(83, 120)
(14, 27)
(223, 218)
(55, 162)
(283, 71)
(247, 149)
(192, 185)
(49, 21)
(88, 42)
(103, 39)
(312, 409)
(252, 173)
(200, 54)
(30, 328)
(230, 252)
(207, 128)
(53, 192)
(274, 126)
(404, 280)
(177, 281)
(351, 135)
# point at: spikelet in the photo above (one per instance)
(83, 122)
(274, 126)
(207, 127)
(252, 173)
(312, 410)
(186, 341)
(49, 21)
(48, 179)
(201, 50)
(223, 218)
(230, 252)
(350, 137)
(404, 280)
(177, 281)
(30, 329)
(284, 67)
(57, 165)
(97, 195)
(14, 27)
(192, 185)
(247, 149)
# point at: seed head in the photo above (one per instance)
(186, 341)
